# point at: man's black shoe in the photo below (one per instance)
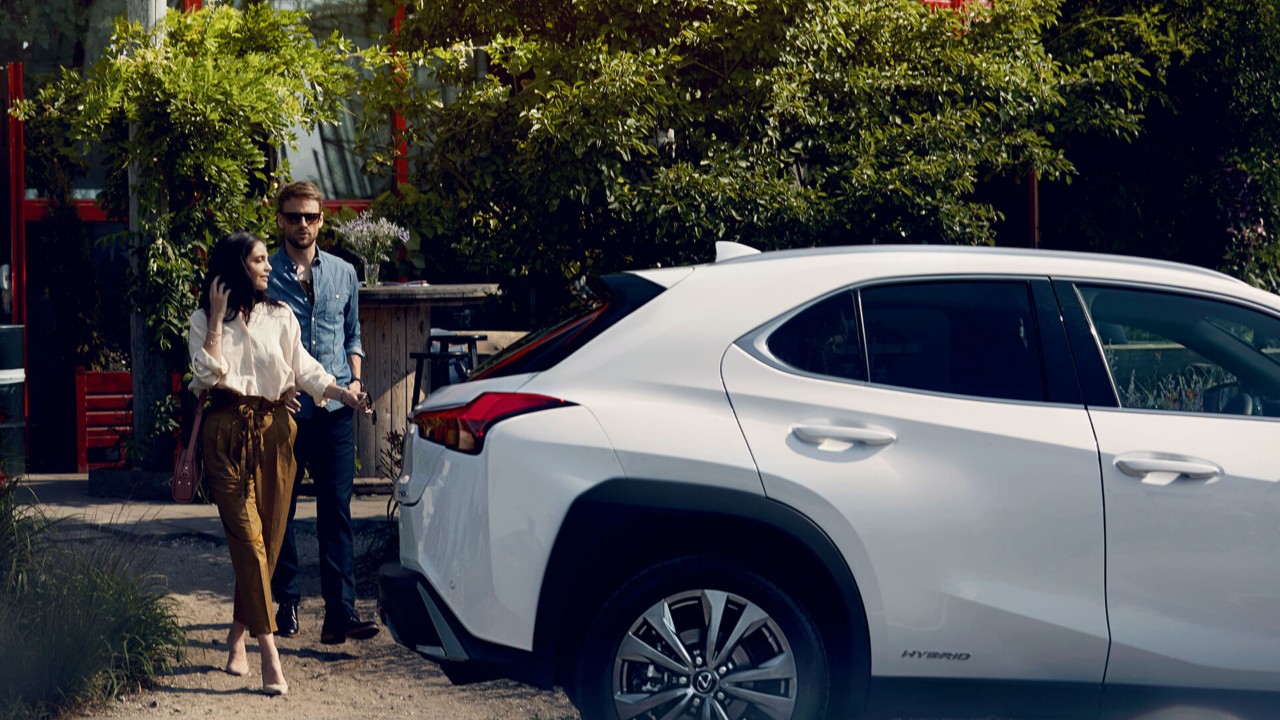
(337, 629)
(287, 620)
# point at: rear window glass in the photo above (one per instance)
(610, 298)
(968, 338)
(823, 339)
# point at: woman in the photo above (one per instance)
(246, 349)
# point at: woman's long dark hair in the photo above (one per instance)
(227, 261)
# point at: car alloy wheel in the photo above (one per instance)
(731, 646)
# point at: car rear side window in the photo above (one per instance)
(963, 337)
(823, 339)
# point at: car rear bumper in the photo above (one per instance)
(417, 618)
(413, 613)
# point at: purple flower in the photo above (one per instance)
(371, 239)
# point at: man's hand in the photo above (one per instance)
(292, 404)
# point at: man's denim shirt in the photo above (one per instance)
(331, 327)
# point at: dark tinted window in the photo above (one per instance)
(968, 338)
(609, 299)
(823, 339)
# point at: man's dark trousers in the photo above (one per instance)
(326, 447)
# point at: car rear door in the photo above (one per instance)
(935, 431)
(1191, 477)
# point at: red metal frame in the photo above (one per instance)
(397, 117)
(17, 185)
(18, 225)
(104, 415)
(952, 4)
(88, 210)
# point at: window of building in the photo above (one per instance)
(329, 156)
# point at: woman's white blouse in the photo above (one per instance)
(264, 357)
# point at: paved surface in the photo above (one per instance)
(67, 497)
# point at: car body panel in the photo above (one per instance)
(976, 532)
(483, 556)
(1193, 566)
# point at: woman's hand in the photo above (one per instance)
(219, 296)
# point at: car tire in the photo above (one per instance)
(769, 653)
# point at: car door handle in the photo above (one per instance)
(820, 434)
(1162, 471)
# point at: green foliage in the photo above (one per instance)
(40, 27)
(166, 422)
(1204, 163)
(76, 627)
(556, 138)
(199, 106)
(1253, 255)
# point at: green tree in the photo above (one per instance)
(557, 137)
(1200, 182)
(42, 27)
(200, 106)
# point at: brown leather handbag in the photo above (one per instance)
(187, 468)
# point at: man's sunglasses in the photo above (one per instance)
(295, 218)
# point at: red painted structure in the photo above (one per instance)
(104, 417)
(17, 184)
(952, 4)
(18, 225)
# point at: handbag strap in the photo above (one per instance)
(195, 426)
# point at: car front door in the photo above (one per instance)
(935, 431)
(1191, 477)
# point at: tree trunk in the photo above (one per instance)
(150, 381)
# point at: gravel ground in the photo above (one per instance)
(371, 679)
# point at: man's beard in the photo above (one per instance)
(293, 241)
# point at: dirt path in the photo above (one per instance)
(370, 679)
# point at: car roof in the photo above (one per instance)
(1001, 257)
(846, 265)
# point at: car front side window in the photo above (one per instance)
(1182, 353)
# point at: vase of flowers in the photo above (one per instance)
(371, 240)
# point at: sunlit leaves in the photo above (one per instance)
(200, 106)
(571, 135)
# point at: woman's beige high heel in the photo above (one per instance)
(274, 689)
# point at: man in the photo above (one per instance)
(321, 289)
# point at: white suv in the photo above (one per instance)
(804, 484)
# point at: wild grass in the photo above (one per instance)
(77, 625)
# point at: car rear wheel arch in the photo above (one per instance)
(621, 528)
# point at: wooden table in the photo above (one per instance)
(395, 320)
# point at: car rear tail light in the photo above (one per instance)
(464, 428)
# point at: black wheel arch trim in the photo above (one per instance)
(594, 521)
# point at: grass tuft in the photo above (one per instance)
(77, 626)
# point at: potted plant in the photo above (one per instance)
(370, 239)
